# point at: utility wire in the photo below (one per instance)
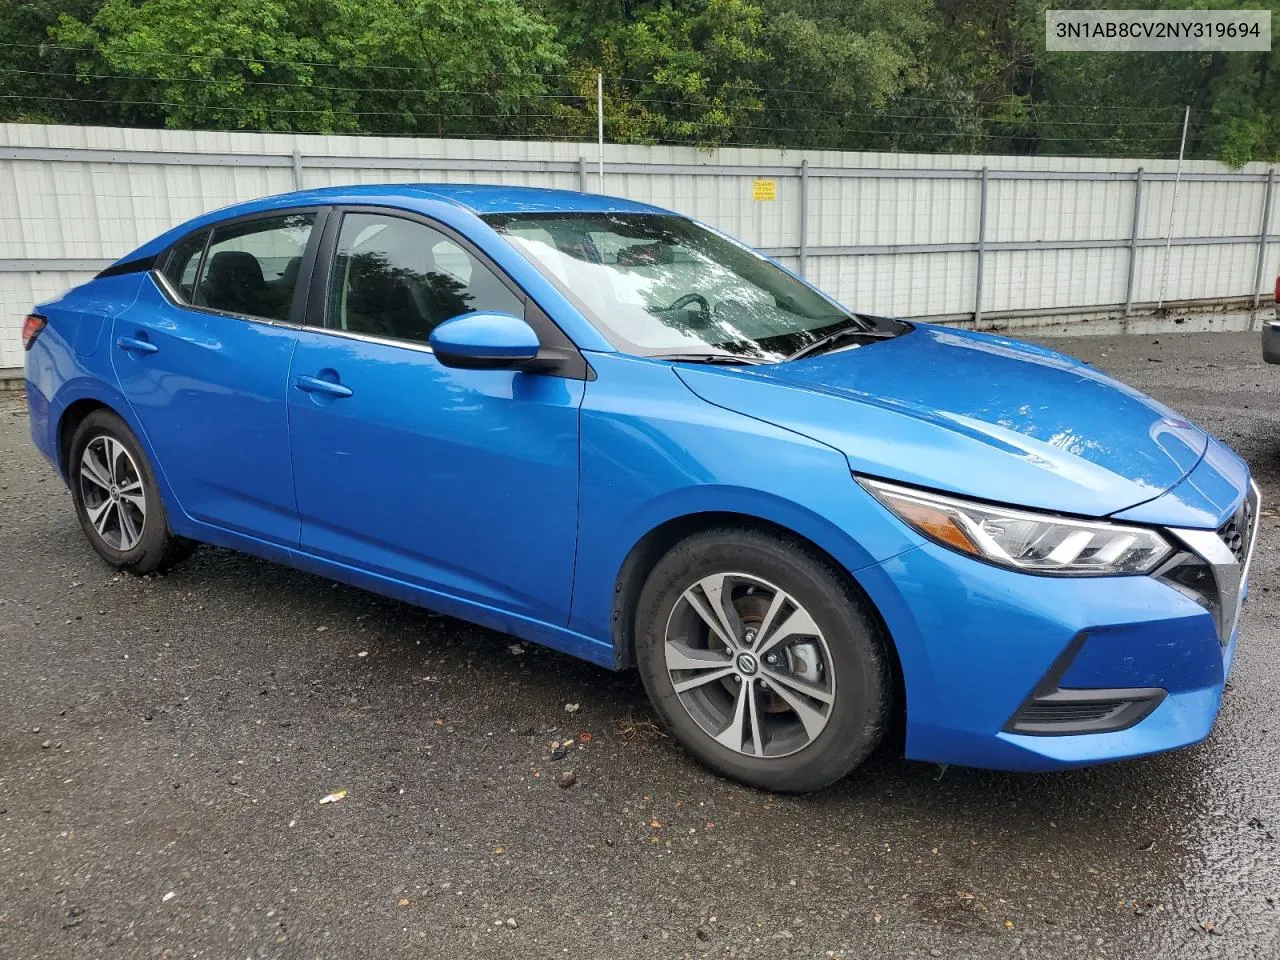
(433, 115)
(569, 98)
(582, 75)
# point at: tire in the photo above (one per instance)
(792, 742)
(117, 499)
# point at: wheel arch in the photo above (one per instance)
(70, 421)
(654, 545)
(82, 397)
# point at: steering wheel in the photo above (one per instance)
(689, 298)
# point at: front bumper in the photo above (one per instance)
(978, 643)
(1271, 340)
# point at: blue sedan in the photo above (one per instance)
(603, 427)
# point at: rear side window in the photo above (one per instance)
(183, 263)
(252, 268)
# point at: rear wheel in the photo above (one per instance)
(117, 500)
(763, 660)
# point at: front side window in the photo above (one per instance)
(659, 283)
(399, 279)
(183, 263)
(251, 268)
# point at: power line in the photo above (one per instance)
(285, 110)
(950, 118)
(519, 116)
(278, 83)
(581, 75)
(265, 61)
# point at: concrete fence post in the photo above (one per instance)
(804, 218)
(982, 248)
(1267, 199)
(582, 174)
(297, 169)
(1133, 241)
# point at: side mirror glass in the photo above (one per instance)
(484, 341)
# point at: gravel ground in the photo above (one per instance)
(165, 742)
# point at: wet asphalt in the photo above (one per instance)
(165, 743)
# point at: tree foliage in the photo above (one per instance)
(949, 76)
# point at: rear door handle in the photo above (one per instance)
(316, 385)
(134, 345)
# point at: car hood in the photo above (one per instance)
(973, 414)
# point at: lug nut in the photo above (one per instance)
(771, 658)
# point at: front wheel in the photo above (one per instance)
(117, 500)
(763, 660)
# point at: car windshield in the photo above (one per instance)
(657, 284)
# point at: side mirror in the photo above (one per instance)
(484, 341)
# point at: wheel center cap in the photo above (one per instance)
(748, 664)
(115, 492)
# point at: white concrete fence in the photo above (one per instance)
(965, 239)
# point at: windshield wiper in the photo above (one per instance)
(853, 327)
(730, 359)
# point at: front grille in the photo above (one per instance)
(1235, 532)
(1225, 553)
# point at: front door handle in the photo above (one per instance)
(316, 385)
(134, 345)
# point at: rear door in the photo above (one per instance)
(203, 358)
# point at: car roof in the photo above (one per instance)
(479, 198)
(475, 198)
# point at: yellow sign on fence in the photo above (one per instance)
(764, 189)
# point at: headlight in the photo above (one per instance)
(1022, 540)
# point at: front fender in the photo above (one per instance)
(653, 452)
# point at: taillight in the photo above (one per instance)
(1277, 289)
(31, 328)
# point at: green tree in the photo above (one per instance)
(463, 66)
(949, 76)
(38, 81)
(834, 66)
(320, 65)
(674, 69)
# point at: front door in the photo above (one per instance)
(203, 358)
(459, 481)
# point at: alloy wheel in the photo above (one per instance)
(112, 492)
(750, 665)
